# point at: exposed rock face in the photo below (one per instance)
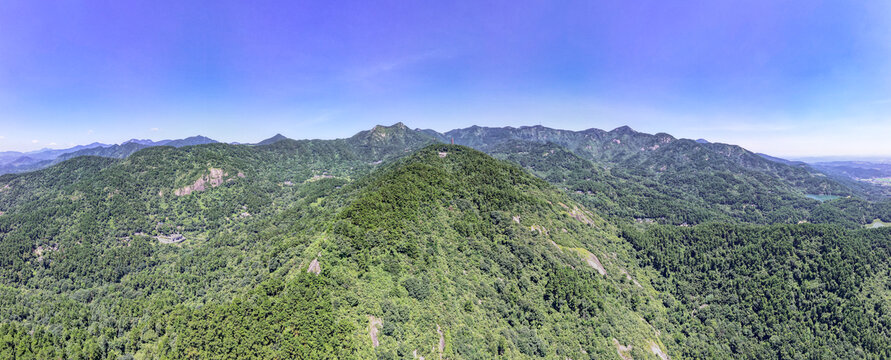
(319, 177)
(658, 351)
(314, 267)
(624, 351)
(578, 214)
(594, 262)
(540, 229)
(44, 249)
(374, 325)
(170, 239)
(631, 279)
(441, 339)
(214, 179)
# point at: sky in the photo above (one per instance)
(789, 78)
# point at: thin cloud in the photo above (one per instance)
(154, 129)
(389, 66)
(34, 141)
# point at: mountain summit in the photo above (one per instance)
(276, 138)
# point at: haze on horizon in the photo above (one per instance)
(792, 79)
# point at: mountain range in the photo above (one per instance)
(14, 162)
(474, 243)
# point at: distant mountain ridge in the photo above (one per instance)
(7, 157)
(273, 140)
(14, 162)
(655, 155)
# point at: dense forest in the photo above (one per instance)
(540, 243)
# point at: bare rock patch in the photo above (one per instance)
(170, 239)
(44, 249)
(628, 276)
(374, 325)
(314, 267)
(441, 339)
(624, 351)
(594, 262)
(213, 179)
(658, 351)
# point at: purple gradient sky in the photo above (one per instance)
(788, 78)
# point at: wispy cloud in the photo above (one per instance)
(34, 141)
(384, 67)
(154, 129)
(90, 131)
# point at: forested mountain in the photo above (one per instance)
(659, 155)
(272, 140)
(390, 244)
(657, 178)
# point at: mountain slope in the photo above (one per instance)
(384, 245)
(626, 147)
(717, 179)
(446, 228)
(451, 253)
(383, 142)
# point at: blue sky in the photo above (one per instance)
(790, 78)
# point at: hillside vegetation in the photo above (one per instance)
(389, 245)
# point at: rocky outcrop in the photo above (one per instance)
(314, 267)
(623, 350)
(213, 179)
(374, 325)
(594, 262)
